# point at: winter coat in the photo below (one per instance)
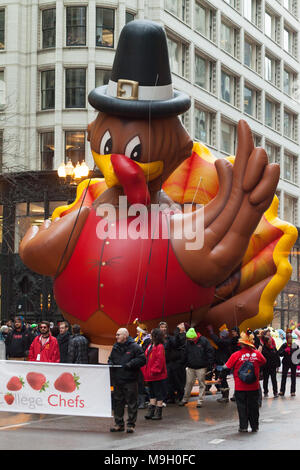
(272, 357)
(174, 347)
(286, 353)
(131, 357)
(63, 342)
(48, 353)
(78, 350)
(199, 354)
(155, 368)
(222, 354)
(18, 343)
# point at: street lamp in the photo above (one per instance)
(71, 174)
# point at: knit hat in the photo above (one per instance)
(191, 334)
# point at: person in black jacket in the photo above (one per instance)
(222, 354)
(174, 349)
(130, 356)
(198, 357)
(18, 341)
(269, 369)
(286, 351)
(63, 341)
(78, 348)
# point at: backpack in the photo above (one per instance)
(246, 372)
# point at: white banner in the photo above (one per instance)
(65, 389)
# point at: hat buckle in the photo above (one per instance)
(121, 91)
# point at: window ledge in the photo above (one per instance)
(230, 55)
(207, 38)
(290, 139)
(205, 89)
(253, 117)
(74, 47)
(46, 49)
(74, 109)
(231, 105)
(290, 182)
(177, 18)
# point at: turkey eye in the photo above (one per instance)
(106, 144)
(134, 149)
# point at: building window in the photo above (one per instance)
(290, 122)
(205, 21)
(178, 54)
(234, 3)
(178, 8)
(105, 27)
(205, 126)
(252, 55)
(290, 209)
(230, 88)
(252, 102)
(272, 26)
(273, 152)
(230, 39)
(290, 167)
(2, 90)
(47, 150)
(76, 26)
(289, 82)
(272, 114)
(102, 77)
(228, 137)
(27, 214)
(2, 28)
(291, 6)
(272, 70)
(48, 28)
(75, 88)
(290, 41)
(75, 146)
(48, 89)
(129, 17)
(205, 73)
(252, 11)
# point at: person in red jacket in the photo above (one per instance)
(44, 347)
(246, 387)
(155, 373)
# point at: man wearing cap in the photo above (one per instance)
(198, 357)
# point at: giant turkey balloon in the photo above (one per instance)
(170, 233)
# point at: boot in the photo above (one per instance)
(158, 413)
(151, 410)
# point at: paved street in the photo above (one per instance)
(213, 427)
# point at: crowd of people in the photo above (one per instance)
(44, 342)
(156, 369)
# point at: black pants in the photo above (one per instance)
(125, 394)
(270, 373)
(248, 408)
(285, 369)
(176, 380)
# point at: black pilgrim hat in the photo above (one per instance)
(141, 83)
